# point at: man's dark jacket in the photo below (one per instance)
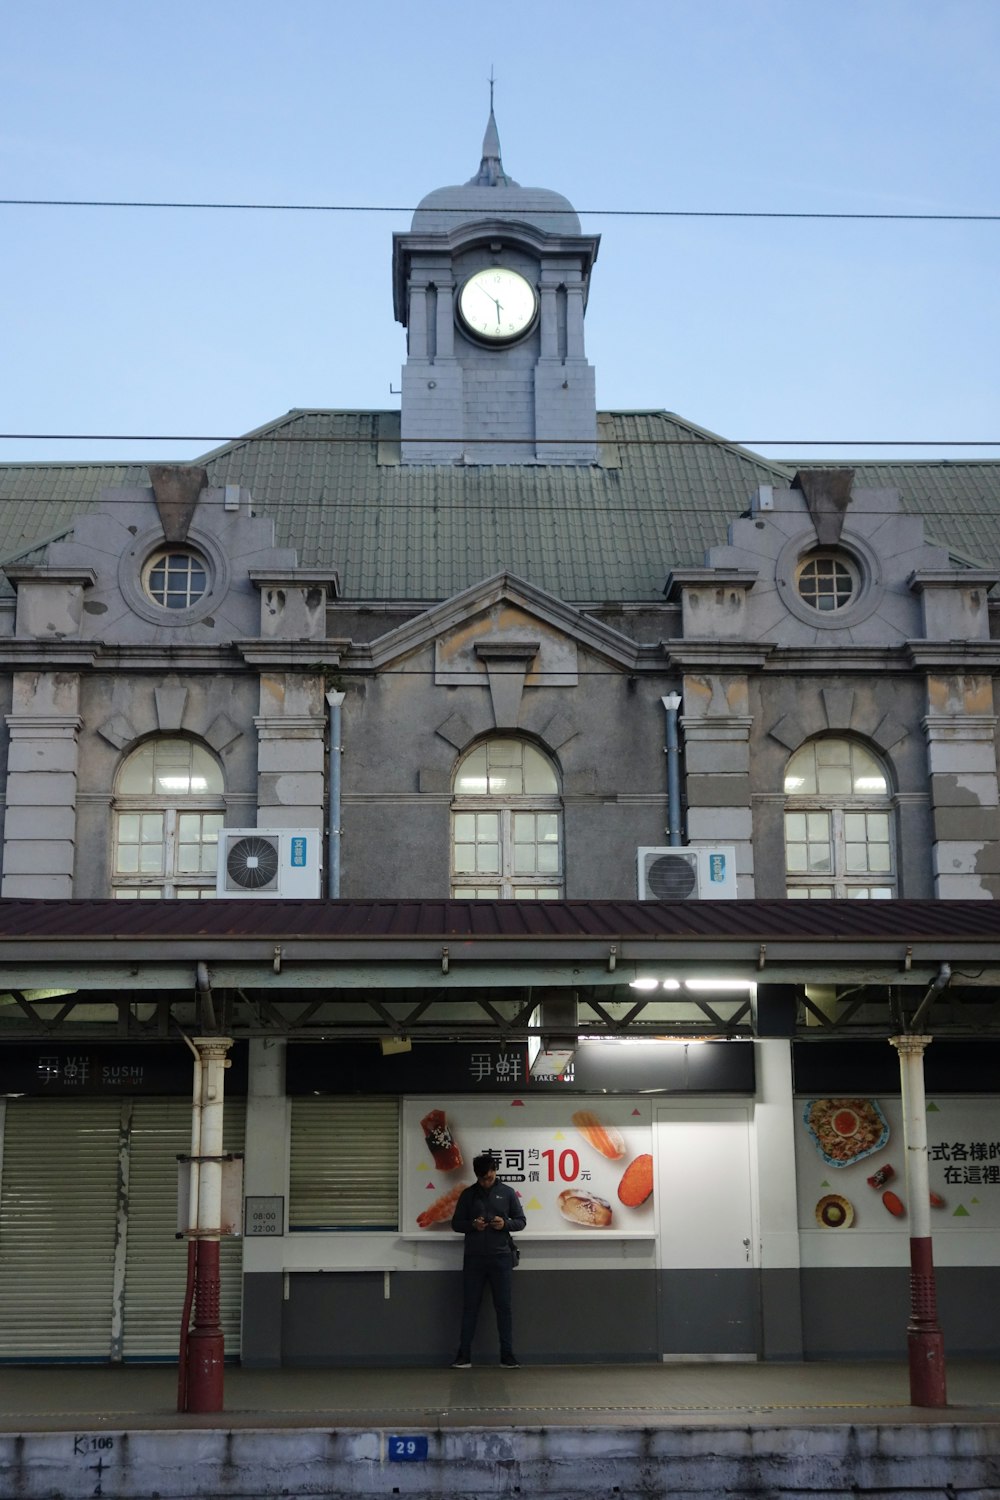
(488, 1202)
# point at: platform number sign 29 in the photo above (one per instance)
(407, 1449)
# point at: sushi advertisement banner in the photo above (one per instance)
(576, 1171)
(852, 1171)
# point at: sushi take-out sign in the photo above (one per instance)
(577, 1171)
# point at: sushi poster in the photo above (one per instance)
(579, 1167)
(851, 1164)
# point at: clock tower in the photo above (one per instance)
(491, 284)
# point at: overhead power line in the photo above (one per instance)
(519, 442)
(388, 208)
(491, 508)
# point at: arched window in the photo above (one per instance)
(839, 835)
(168, 812)
(506, 824)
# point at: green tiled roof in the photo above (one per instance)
(959, 501)
(664, 492)
(39, 502)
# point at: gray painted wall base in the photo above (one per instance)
(585, 1317)
(558, 1464)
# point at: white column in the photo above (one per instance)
(924, 1337)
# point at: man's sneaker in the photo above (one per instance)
(510, 1363)
(461, 1362)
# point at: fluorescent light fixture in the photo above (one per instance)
(719, 984)
(644, 984)
(671, 984)
(646, 1041)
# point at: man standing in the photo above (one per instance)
(486, 1213)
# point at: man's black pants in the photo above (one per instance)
(477, 1270)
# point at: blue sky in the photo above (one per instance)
(164, 322)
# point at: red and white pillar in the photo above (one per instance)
(205, 1353)
(925, 1340)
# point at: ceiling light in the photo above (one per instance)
(719, 984)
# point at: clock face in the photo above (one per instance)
(497, 305)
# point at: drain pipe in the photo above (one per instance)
(671, 703)
(335, 701)
(192, 1226)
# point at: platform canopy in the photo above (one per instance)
(474, 968)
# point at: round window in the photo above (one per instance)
(829, 587)
(175, 579)
(827, 581)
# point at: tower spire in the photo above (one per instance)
(491, 172)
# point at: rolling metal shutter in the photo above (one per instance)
(344, 1164)
(58, 1197)
(78, 1258)
(156, 1262)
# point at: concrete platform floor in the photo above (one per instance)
(144, 1398)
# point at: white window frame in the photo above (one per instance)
(810, 593)
(192, 560)
(507, 884)
(169, 883)
(839, 883)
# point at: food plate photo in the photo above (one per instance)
(846, 1130)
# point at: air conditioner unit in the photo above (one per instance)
(269, 863)
(690, 874)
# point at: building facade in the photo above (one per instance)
(495, 677)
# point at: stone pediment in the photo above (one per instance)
(503, 635)
(502, 619)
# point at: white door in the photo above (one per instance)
(708, 1294)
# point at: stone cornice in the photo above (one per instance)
(295, 655)
(296, 578)
(727, 578)
(43, 573)
(31, 725)
(849, 658)
(722, 656)
(954, 655)
(952, 578)
(150, 657)
(46, 656)
(959, 726)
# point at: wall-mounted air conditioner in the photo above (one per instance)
(273, 863)
(689, 874)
